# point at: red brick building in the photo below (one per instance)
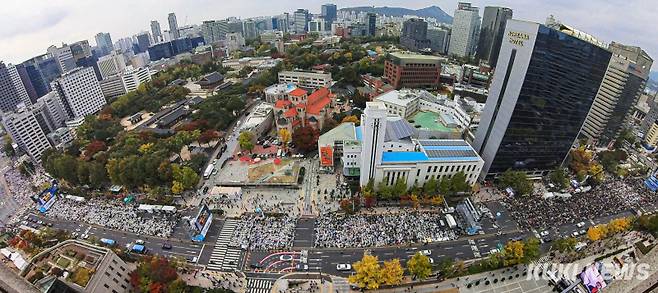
(413, 70)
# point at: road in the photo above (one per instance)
(8, 205)
(181, 247)
(231, 145)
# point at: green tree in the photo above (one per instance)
(400, 187)
(185, 175)
(431, 187)
(559, 178)
(419, 266)
(367, 273)
(565, 244)
(458, 183)
(517, 180)
(246, 141)
(531, 250)
(444, 186)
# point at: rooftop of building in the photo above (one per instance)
(298, 92)
(318, 100)
(402, 97)
(431, 121)
(280, 88)
(342, 132)
(408, 57)
(452, 150)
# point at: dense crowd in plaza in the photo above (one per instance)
(115, 215)
(390, 228)
(21, 189)
(258, 232)
(610, 198)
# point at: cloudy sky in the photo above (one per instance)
(28, 27)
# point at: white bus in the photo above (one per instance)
(209, 169)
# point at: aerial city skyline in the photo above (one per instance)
(328, 147)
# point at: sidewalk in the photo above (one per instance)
(212, 279)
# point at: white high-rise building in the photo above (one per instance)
(26, 132)
(79, 92)
(156, 32)
(373, 122)
(111, 65)
(465, 30)
(64, 57)
(133, 77)
(173, 26)
(12, 90)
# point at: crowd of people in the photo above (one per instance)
(115, 215)
(381, 229)
(21, 190)
(259, 232)
(610, 198)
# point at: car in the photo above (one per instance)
(49, 224)
(547, 239)
(192, 259)
(166, 246)
(543, 233)
(84, 236)
(426, 252)
(286, 257)
(583, 232)
(205, 189)
(343, 267)
(139, 241)
(24, 223)
(75, 234)
(40, 222)
(580, 225)
(431, 260)
(214, 161)
(77, 229)
(574, 234)
(256, 265)
(302, 267)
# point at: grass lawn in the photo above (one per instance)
(63, 262)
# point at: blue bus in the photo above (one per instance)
(108, 242)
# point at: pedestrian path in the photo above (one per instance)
(224, 258)
(340, 284)
(259, 285)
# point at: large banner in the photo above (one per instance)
(326, 156)
(47, 197)
(201, 223)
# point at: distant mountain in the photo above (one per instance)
(432, 11)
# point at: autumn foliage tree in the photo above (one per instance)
(306, 138)
(419, 266)
(392, 272)
(367, 274)
(155, 274)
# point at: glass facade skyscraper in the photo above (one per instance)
(543, 89)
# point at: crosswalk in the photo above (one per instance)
(223, 257)
(259, 285)
(340, 284)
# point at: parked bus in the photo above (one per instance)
(208, 171)
(108, 242)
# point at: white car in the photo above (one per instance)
(285, 257)
(139, 241)
(574, 234)
(343, 267)
(431, 260)
(580, 225)
(583, 232)
(426, 252)
(543, 233)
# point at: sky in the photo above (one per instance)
(29, 27)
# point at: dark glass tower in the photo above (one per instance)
(491, 34)
(543, 89)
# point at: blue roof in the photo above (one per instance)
(359, 134)
(403, 156)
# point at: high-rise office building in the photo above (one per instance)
(329, 14)
(465, 30)
(543, 88)
(491, 34)
(173, 26)
(372, 24)
(623, 83)
(104, 43)
(156, 32)
(439, 38)
(249, 29)
(143, 41)
(64, 57)
(214, 30)
(133, 77)
(79, 92)
(37, 73)
(26, 132)
(12, 90)
(414, 34)
(301, 19)
(111, 65)
(80, 50)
